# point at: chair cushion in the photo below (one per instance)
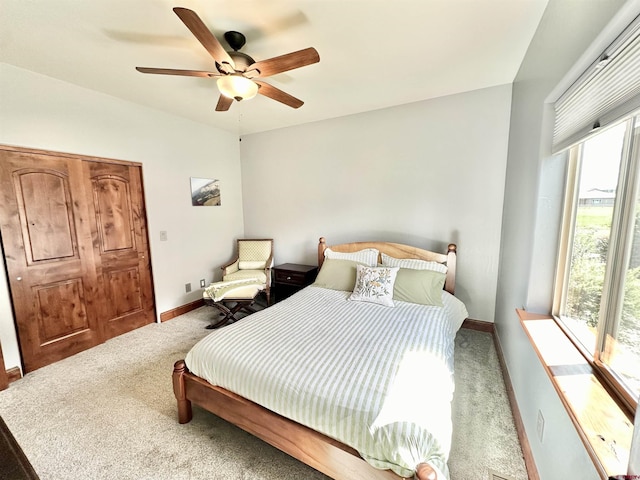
(245, 274)
(232, 289)
(251, 264)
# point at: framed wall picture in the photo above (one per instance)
(205, 192)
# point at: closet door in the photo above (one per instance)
(49, 256)
(75, 243)
(120, 246)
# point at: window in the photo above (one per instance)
(597, 297)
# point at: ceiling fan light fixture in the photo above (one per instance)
(237, 87)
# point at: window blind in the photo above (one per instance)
(608, 90)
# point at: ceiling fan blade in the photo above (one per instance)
(286, 62)
(278, 95)
(223, 103)
(173, 71)
(204, 35)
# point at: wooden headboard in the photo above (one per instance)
(398, 250)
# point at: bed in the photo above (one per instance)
(346, 376)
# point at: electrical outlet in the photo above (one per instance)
(540, 426)
(202, 284)
(163, 236)
(187, 287)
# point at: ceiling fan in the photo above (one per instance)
(239, 77)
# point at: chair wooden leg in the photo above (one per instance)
(229, 313)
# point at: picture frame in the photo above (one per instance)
(205, 192)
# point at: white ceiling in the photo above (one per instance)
(373, 53)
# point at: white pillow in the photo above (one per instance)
(368, 256)
(413, 263)
(374, 285)
(251, 264)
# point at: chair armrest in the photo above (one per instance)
(230, 267)
(267, 269)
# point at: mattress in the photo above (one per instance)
(376, 378)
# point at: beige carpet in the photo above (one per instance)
(109, 413)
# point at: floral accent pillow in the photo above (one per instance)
(374, 285)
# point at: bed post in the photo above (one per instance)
(184, 405)
(322, 245)
(425, 472)
(451, 268)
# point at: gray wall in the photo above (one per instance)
(530, 221)
(426, 173)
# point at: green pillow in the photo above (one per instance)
(337, 274)
(419, 286)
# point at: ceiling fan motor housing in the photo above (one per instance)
(242, 61)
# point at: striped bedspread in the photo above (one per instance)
(379, 379)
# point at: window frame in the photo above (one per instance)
(620, 241)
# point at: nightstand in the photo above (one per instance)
(288, 278)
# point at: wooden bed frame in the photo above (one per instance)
(329, 456)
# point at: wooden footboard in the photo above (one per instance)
(326, 455)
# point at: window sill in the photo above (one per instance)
(602, 425)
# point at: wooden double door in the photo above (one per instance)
(75, 243)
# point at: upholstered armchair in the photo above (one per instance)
(254, 260)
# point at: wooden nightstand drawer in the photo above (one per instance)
(295, 274)
(288, 278)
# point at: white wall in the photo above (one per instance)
(427, 173)
(530, 224)
(634, 456)
(40, 112)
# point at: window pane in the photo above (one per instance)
(622, 347)
(598, 179)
